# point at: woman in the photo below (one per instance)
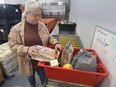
(22, 38)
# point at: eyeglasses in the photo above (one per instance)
(36, 15)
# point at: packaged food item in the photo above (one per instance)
(45, 54)
(54, 62)
(67, 54)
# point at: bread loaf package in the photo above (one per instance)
(45, 54)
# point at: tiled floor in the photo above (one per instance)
(19, 81)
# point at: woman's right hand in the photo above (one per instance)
(32, 50)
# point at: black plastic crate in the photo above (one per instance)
(68, 28)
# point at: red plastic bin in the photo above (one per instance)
(76, 76)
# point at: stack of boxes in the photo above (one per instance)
(9, 62)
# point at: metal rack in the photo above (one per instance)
(54, 9)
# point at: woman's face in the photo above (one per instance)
(33, 16)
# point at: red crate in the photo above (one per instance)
(76, 76)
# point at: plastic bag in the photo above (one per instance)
(84, 60)
(75, 58)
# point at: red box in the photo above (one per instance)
(76, 76)
(49, 22)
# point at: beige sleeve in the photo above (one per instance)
(52, 40)
(15, 43)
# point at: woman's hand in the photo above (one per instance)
(58, 47)
(32, 50)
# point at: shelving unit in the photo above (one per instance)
(54, 9)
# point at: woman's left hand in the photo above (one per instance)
(58, 47)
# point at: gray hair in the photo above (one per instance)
(29, 6)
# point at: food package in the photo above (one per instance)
(45, 54)
(67, 54)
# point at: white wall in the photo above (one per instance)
(89, 13)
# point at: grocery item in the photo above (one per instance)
(85, 60)
(66, 55)
(45, 54)
(54, 62)
(69, 66)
